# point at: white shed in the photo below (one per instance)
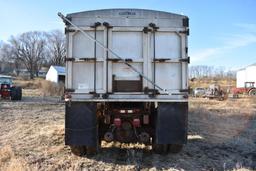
(247, 74)
(56, 74)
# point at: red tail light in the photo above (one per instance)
(117, 122)
(136, 122)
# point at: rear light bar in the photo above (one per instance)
(130, 111)
(122, 111)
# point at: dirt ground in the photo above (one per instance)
(222, 136)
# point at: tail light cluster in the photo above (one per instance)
(128, 111)
(135, 122)
(117, 122)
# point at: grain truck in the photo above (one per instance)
(126, 79)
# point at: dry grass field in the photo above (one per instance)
(225, 83)
(222, 136)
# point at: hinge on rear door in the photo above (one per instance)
(70, 90)
(162, 59)
(87, 59)
(146, 30)
(96, 25)
(185, 60)
(185, 32)
(128, 60)
(69, 59)
(114, 59)
(69, 30)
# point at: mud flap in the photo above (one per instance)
(172, 123)
(81, 124)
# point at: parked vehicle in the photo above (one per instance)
(8, 90)
(248, 89)
(199, 92)
(215, 92)
(126, 79)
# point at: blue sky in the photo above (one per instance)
(222, 32)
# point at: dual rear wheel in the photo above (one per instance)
(16, 93)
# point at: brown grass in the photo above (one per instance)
(51, 89)
(10, 162)
(46, 88)
(205, 82)
(220, 132)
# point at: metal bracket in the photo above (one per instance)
(87, 59)
(185, 32)
(67, 30)
(162, 59)
(69, 59)
(185, 22)
(70, 90)
(184, 90)
(153, 25)
(128, 60)
(66, 22)
(106, 24)
(146, 30)
(96, 25)
(114, 59)
(185, 60)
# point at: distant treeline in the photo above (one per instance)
(34, 50)
(200, 71)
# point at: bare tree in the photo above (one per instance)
(199, 71)
(56, 46)
(29, 48)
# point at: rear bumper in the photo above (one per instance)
(179, 97)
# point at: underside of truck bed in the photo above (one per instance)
(161, 125)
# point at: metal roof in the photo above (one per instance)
(246, 67)
(60, 69)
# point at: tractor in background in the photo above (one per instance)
(248, 89)
(8, 90)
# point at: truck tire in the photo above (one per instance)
(78, 150)
(175, 148)
(18, 93)
(160, 148)
(13, 93)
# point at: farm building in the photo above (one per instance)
(56, 74)
(246, 75)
